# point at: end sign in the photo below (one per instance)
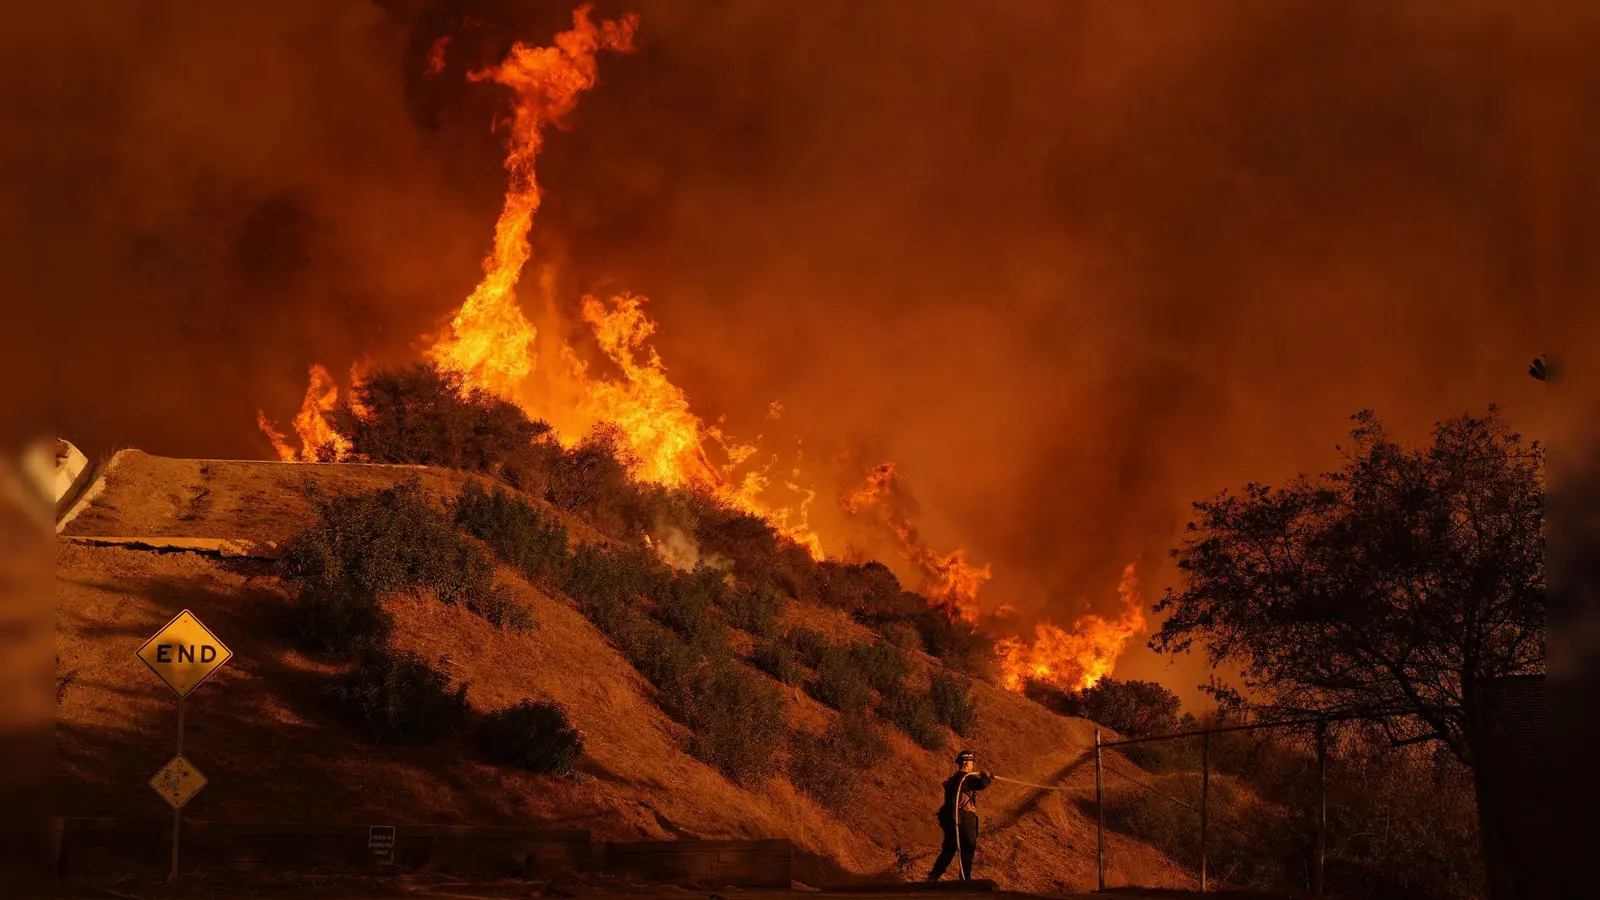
(184, 653)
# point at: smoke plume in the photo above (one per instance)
(1068, 266)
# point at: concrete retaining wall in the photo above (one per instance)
(107, 844)
(743, 863)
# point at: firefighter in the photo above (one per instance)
(958, 817)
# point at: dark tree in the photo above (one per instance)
(1133, 708)
(1390, 585)
(427, 416)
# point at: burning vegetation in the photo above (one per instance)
(619, 408)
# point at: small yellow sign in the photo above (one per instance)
(184, 653)
(178, 782)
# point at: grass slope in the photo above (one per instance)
(262, 733)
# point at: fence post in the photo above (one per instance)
(1322, 800)
(1100, 818)
(1205, 794)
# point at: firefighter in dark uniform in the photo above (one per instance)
(959, 815)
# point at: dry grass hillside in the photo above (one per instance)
(261, 733)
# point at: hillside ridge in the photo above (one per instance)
(116, 724)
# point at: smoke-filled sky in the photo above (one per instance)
(1069, 265)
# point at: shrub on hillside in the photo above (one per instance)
(813, 771)
(1428, 845)
(1132, 708)
(955, 642)
(427, 416)
(664, 659)
(776, 658)
(793, 571)
(390, 540)
(1241, 849)
(340, 619)
(1160, 756)
(521, 534)
(913, 713)
(884, 667)
(536, 736)
(607, 580)
(399, 699)
(1425, 798)
(686, 602)
(760, 556)
(809, 645)
(738, 723)
(840, 683)
(592, 478)
(865, 590)
(902, 634)
(827, 767)
(503, 610)
(755, 610)
(857, 741)
(953, 704)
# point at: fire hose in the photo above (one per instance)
(1042, 787)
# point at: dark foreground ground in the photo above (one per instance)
(149, 886)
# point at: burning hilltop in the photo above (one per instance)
(490, 342)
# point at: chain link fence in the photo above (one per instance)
(1247, 806)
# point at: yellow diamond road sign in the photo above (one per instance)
(184, 653)
(178, 782)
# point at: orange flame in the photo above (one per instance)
(318, 440)
(490, 341)
(948, 580)
(652, 412)
(1078, 658)
(280, 441)
(436, 55)
(667, 440)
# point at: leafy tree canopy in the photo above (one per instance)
(1392, 584)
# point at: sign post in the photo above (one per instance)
(380, 840)
(183, 654)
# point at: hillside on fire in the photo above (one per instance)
(429, 644)
(725, 421)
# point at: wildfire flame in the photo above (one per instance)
(1078, 658)
(948, 579)
(318, 440)
(491, 343)
(652, 412)
(1075, 658)
(436, 52)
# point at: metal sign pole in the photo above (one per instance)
(1100, 818)
(183, 654)
(177, 811)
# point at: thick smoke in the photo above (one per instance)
(1068, 266)
(681, 551)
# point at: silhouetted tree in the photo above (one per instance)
(426, 416)
(1392, 584)
(1133, 708)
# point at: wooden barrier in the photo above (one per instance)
(88, 844)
